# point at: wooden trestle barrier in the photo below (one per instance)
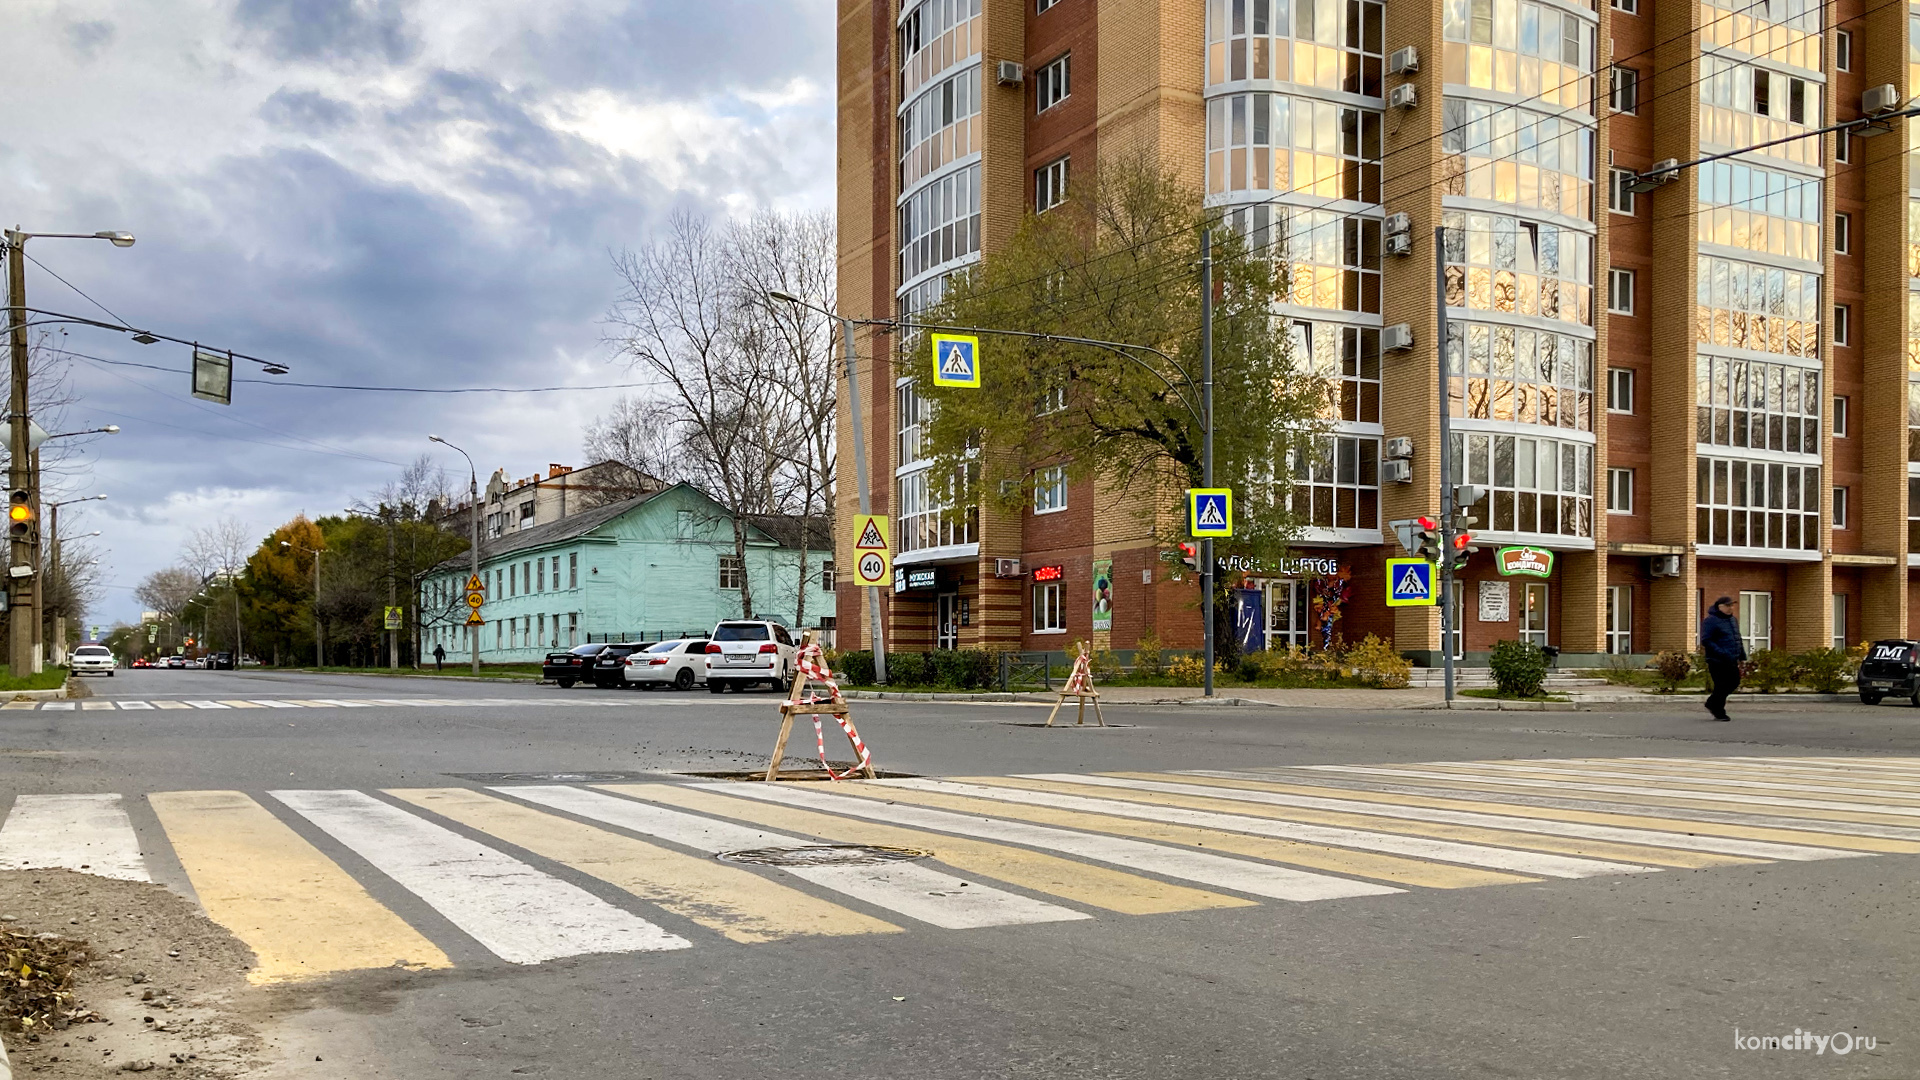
(1080, 686)
(809, 671)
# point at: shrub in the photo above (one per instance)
(907, 669)
(1146, 656)
(1672, 668)
(851, 668)
(1773, 669)
(1519, 668)
(1375, 663)
(1191, 670)
(1824, 670)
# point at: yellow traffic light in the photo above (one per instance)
(20, 513)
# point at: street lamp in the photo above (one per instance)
(319, 660)
(21, 476)
(473, 523)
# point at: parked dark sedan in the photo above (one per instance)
(610, 666)
(572, 666)
(220, 661)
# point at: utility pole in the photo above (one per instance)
(319, 651)
(1206, 441)
(39, 577)
(24, 613)
(53, 571)
(393, 636)
(1442, 377)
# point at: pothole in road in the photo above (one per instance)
(826, 855)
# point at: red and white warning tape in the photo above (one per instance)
(1081, 680)
(813, 666)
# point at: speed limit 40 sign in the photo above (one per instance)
(872, 555)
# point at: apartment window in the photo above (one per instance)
(1620, 390)
(556, 573)
(1620, 291)
(1840, 417)
(1842, 324)
(1049, 617)
(1348, 357)
(826, 576)
(1538, 485)
(1843, 51)
(1049, 186)
(1619, 619)
(1626, 90)
(1843, 146)
(499, 631)
(542, 564)
(1040, 6)
(1509, 264)
(1619, 491)
(1842, 234)
(1051, 84)
(1839, 508)
(1756, 620)
(573, 570)
(1053, 401)
(733, 574)
(1631, 7)
(573, 629)
(1278, 142)
(543, 629)
(1840, 621)
(1619, 195)
(1757, 504)
(1521, 375)
(1336, 483)
(1050, 490)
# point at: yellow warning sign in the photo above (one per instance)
(871, 530)
(474, 584)
(474, 619)
(873, 560)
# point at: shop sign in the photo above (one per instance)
(1524, 561)
(1103, 594)
(1304, 566)
(1496, 602)
(915, 578)
(1049, 573)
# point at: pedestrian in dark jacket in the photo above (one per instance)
(1720, 640)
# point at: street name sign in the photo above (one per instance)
(956, 360)
(1210, 512)
(1409, 583)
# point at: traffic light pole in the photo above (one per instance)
(21, 615)
(1446, 459)
(1206, 442)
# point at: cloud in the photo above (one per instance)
(333, 31)
(87, 38)
(306, 111)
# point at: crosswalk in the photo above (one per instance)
(113, 704)
(311, 880)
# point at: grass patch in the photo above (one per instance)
(1490, 692)
(52, 678)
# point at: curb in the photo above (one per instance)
(6, 1071)
(37, 695)
(409, 675)
(1497, 705)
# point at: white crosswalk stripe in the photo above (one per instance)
(1663, 790)
(90, 833)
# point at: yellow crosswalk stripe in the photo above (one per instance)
(1588, 817)
(1471, 834)
(1397, 869)
(300, 913)
(243, 704)
(1712, 770)
(1896, 801)
(1095, 886)
(738, 903)
(171, 705)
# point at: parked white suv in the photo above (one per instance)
(741, 652)
(93, 658)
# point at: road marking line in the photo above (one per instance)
(274, 704)
(344, 703)
(1847, 796)
(239, 704)
(736, 902)
(969, 797)
(1721, 770)
(521, 915)
(915, 891)
(1900, 766)
(88, 833)
(21, 705)
(1647, 843)
(207, 705)
(1723, 824)
(300, 913)
(58, 705)
(1095, 886)
(305, 704)
(96, 705)
(171, 705)
(1257, 879)
(136, 704)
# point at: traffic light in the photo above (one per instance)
(20, 514)
(1190, 554)
(1426, 537)
(1463, 549)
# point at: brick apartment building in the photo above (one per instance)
(1711, 387)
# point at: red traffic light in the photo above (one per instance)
(1461, 540)
(1427, 523)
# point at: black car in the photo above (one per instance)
(1891, 668)
(572, 666)
(220, 661)
(610, 666)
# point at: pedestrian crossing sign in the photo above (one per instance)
(1409, 583)
(956, 360)
(1210, 512)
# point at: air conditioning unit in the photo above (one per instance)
(1664, 171)
(1880, 99)
(1009, 73)
(1398, 244)
(1006, 568)
(1664, 566)
(1404, 61)
(1404, 96)
(1397, 471)
(1400, 446)
(1396, 338)
(1397, 223)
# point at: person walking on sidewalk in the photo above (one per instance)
(1720, 640)
(439, 656)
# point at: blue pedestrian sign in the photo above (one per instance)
(1210, 512)
(1409, 583)
(956, 360)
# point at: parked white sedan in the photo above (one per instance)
(93, 659)
(679, 663)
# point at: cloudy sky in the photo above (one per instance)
(374, 192)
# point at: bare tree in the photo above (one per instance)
(169, 591)
(220, 550)
(641, 434)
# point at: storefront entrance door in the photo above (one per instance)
(1533, 615)
(1287, 615)
(949, 622)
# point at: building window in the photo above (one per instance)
(1842, 234)
(1843, 146)
(1742, 104)
(1843, 50)
(1913, 514)
(1619, 619)
(928, 520)
(1620, 390)
(1760, 406)
(1511, 265)
(733, 574)
(1481, 158)
(1840, 621)
(940, 223)
(1757, 504)
(1048, 614)
(1348, 358)
(1842, 324)
(940, 126)
(1538, 486)
(573, 570)
(1520, 374)
(1040, 6)
(1049, 186)
(1756, 621)
(1631, 7)
(1839, 508)
(543, 628)
(826, 576)
(1619, 491)
(1052, 401)
(1626, 90)
(1051, 84)
(1050, 490)
(542, 579)
(1619, 195)
(1760, 209)
(1620, 291)
(1276, 142)
(1840, 417)
(573, 629)
(1336, 485)
(1750, 306)
(498, 631)
(1328, 49)
(1533, 613)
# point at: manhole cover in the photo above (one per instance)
(583, 777)
(826, 855)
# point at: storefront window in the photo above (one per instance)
(1537, 486)
(1762, 406)
(1521, 375)
(1757, 504)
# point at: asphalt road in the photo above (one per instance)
(1614, 975)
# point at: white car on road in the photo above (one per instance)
(679, 663)
(742, 652)
(97, 659)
